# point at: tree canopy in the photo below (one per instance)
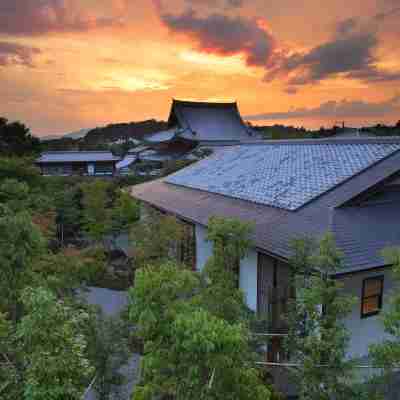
(15, 139)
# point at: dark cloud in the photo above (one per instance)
(350, 53)
(375, 75)
(215, 3)
(291, 90)
(37, 17)
(334, 109)
(16, 54)
(346, 26)
(224, 35)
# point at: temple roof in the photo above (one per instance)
(205, 121)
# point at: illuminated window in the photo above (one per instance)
(371, 299)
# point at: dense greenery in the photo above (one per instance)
(193, 346)
(318, 339)
(51, 344)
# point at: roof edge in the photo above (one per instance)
(200, 104)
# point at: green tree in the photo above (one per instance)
(9, 376)
(96, 209)
(221, 294)
(188, 352)
(124, 214)
(69, 213)
(52, 347)
(15, 195)
(21, 243)
(318, 339)
(21, 169)
(155, 238)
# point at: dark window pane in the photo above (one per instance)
(370, 305)
(372, 287)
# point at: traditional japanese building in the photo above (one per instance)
(83, 163)
(193, 125)
(203, 123)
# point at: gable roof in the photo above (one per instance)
(76, 156)
(208, 122)
(274, 227)
(284, 175)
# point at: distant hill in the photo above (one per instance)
(73, 135)
(102, 137)
(77, 135)
(124, 131)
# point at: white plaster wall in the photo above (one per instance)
(203, 247)
(365, 331)
(248, 266)
(248, 279)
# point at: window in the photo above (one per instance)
(371, 298)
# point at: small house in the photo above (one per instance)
(81, 163)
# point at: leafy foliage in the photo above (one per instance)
(96, 211)
(125, 212)
(221, 294)
(21, 243)
(52, 347)
(189, 352)
(155, 238)
(317, 338)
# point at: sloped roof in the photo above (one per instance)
(76, 156)
(126, 161)
(162, 136)
(283, 175)
(360, 232)
(205, 121)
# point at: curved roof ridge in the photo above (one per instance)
(193, 103)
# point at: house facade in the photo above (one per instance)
(292, 189)
(81, 163)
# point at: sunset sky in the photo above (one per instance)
(72, 64)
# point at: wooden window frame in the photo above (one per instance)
(380, 296)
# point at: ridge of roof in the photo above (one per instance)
(343, 141)
(200, 104)
(76, 151)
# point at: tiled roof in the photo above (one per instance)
(76, 156)
(126, 161)
(203, 121)
(162, 136)
(282, 174)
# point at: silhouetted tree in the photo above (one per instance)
(15, 139)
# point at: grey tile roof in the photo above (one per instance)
(76, 156)
(281, 175)
(360, 233)
(162, 136)
(202, 121)
(126, 161)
